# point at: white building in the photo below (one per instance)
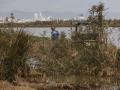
(7, 19)
(12, 20)
(80, 18)
(2, 19)
(50, 18)
(36, 17)
(42, 18)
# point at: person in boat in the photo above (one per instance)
(54, 34)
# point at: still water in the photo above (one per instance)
(113, 33)
(47, 31)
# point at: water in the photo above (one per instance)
(113, 33)
(47, 31)
(114, 36)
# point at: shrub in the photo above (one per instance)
(15, 48)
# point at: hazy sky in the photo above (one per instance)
(56, 5)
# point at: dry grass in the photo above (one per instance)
(4, 85)
(23, 88)
(65, 60)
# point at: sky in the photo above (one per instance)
(75, 6)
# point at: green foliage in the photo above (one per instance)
(15, 46)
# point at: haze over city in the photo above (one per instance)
(59, 7)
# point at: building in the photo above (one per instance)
(2, 19)
(80, 18)
(36, 17)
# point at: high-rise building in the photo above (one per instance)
(36, 16)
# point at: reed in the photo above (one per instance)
(14, 47)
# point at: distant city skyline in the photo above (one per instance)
(74, 6)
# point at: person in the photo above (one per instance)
(54, 34)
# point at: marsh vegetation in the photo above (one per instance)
(84, 61)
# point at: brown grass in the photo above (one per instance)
(4, 85)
